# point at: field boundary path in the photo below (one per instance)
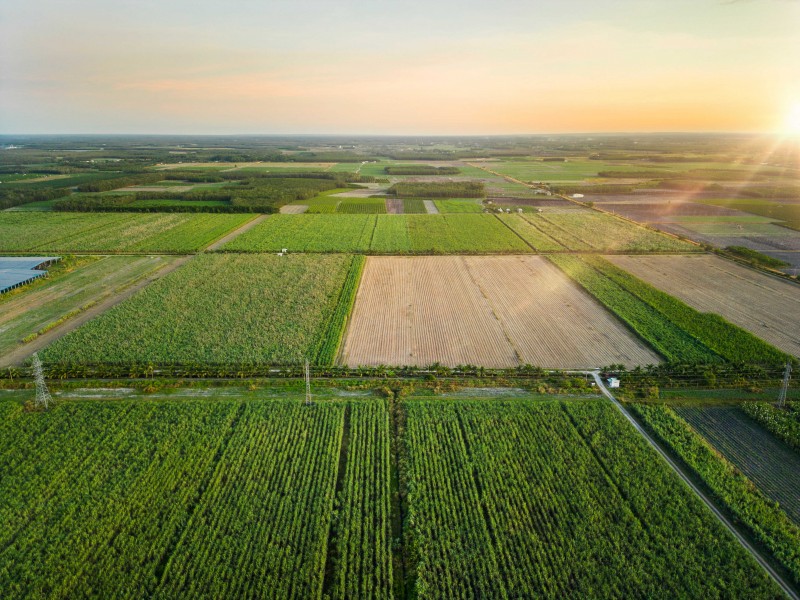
(235, 233)
(786, 587)
(17, 357)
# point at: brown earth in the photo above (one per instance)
(489, 311)
(763, 305)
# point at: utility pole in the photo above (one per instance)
(43, 397)
(785, 387)
(308, 384)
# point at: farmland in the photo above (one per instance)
(240, 493)
(104, 233)
(770, 464)
(763, 305)
(675, 330)
(279, 315)
(396, 234)
(23, 315)
(454, 444)
(490, 311)
(766, 522)
(499, 487)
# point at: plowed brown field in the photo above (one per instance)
(763, 305)
(490, 311)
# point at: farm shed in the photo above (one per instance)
(19, 270)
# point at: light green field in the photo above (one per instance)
(31, 309)
(34, 232)
(279, 314)
(380, 234)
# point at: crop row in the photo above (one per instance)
(344, 307)
(674, 329)
(266, 497)
(223, 309)
(363, 555)
(784, 423)
(112, 232)
(590, 230)
(381, 234)
(763, 458)
(764, 519)
(513, 499)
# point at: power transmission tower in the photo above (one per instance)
(43, 397)
(785, 387)
(308, 384)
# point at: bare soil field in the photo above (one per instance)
(488, 311)
(766, 306)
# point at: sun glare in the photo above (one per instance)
(793, 120)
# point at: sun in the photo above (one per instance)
(792, 126)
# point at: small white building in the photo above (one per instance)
(613, 382)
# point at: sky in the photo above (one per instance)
(398, 67)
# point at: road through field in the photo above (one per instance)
(679, 470)
(236, 232)
(17, 356)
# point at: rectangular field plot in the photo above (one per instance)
(590, 230)
(225, 496)
(381, 234)
(765, 306)
(771, 464)
(515, 499)
(217, 308)
(227, 493)
(112, 232)
(40, 307)
(487, 311)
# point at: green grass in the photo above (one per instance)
(39, 307)
(36, 232)
(218, 308)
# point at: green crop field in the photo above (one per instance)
(676, 331)
(279, 314)
(34, 309)
(769, 463)
(466, 205)
(358, 206)
(381, 234)
(592, 230)
(35, 232)
(764, 519)
(230, 493)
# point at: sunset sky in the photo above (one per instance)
(398, 67)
